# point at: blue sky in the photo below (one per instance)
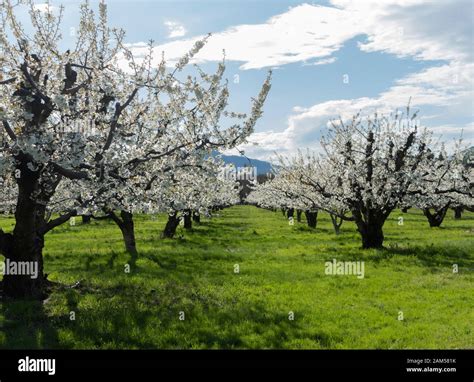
(385, 50)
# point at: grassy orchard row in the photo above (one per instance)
(311, 217)
(281, 270)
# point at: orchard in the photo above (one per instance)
(126, 223)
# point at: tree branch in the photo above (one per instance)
(118, 111)
(70, 174)
(57, 222)
(9, 130)
(9, 81)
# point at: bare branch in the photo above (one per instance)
(9, 130)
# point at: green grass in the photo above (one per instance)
(281, 270)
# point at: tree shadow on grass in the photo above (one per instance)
(25, 325)
(163, 261)
(226, 226)
(274, 330)
(111, 325)
(129, 316)
(431, 256)
(467, 228)
(186, 267)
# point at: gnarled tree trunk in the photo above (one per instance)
(298, 215)
(25, 244)
(336, 224)
(370, 227)
(458, 213)
(196, 217)
(371, 232)
(436, 218)
(188, 222)
(311, 218)
(127, 227)
(171, 225)
(372, 236)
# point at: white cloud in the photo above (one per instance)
(448, 88)
(45, 7)
(426, 30)
(175, 29)
(412, 28)
(311, 34)
(324, 61)
(302, 33)
(416, 28)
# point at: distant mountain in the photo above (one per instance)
(263, 167)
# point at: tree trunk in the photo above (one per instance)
(372, 235)
(435, 219)
(291, 213)
(405, 209)
(196, 217)
(370, 226)
(458, 212)
(127, 227)
(336, 224)
(171, 225)
(283, 212)
(86, 219)
(128, 232)
(311, 218)
(298, 215)
(188, 221)
(26, 243)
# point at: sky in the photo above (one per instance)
(329, 59)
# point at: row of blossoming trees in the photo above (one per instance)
(368, 168)
(92, 130)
